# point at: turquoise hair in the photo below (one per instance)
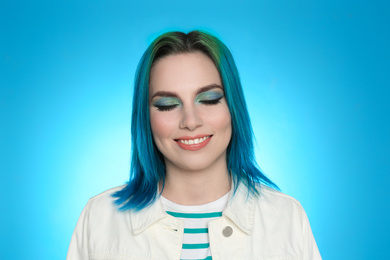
(147, 163)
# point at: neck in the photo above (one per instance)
(198, 187)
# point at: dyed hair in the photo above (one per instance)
(147, 164)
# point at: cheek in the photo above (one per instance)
(225, 124)
(161, 124)
(221, 121)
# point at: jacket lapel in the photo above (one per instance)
(241, 208)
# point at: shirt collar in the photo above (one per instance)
(240, 209)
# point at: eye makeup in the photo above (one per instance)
(209, 97)
(205, 98)
(166, 103)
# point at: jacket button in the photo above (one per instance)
(227, 231)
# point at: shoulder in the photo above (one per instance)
(277, 205)
(284, 218)
(105, 196)
(270, 195)
(270, 210)
(103, 204)
(103, 219)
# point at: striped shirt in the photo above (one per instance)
(196, 218)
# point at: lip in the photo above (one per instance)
(193, 147)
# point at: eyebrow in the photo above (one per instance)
(207, 88)
(172, 94)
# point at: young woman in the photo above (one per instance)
(195, 191)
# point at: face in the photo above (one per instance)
(189, 115)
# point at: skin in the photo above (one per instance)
(187, 100)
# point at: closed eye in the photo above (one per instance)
(211, 101)
(165, 108)
(166, 103)
(211, 97)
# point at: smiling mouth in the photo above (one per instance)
(193, 141)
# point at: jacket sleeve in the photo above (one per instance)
(310, 249)
(78, 248)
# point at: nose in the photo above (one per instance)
(190, 118)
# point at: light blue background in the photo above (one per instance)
(316, 79)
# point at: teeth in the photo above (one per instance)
(194, 141)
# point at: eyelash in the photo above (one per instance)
(211, 102)
(165, 108)
(204, 102)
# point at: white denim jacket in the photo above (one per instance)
(273, 226)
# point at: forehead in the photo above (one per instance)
(183, 72)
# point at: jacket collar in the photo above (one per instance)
(240, 209)
(141, 220)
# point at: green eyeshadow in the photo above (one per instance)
(166, 101)
(208, 96)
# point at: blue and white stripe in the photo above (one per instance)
(196, 218)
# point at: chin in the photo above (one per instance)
(197, 163)
(194, 166)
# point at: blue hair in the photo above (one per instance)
(147, 162)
